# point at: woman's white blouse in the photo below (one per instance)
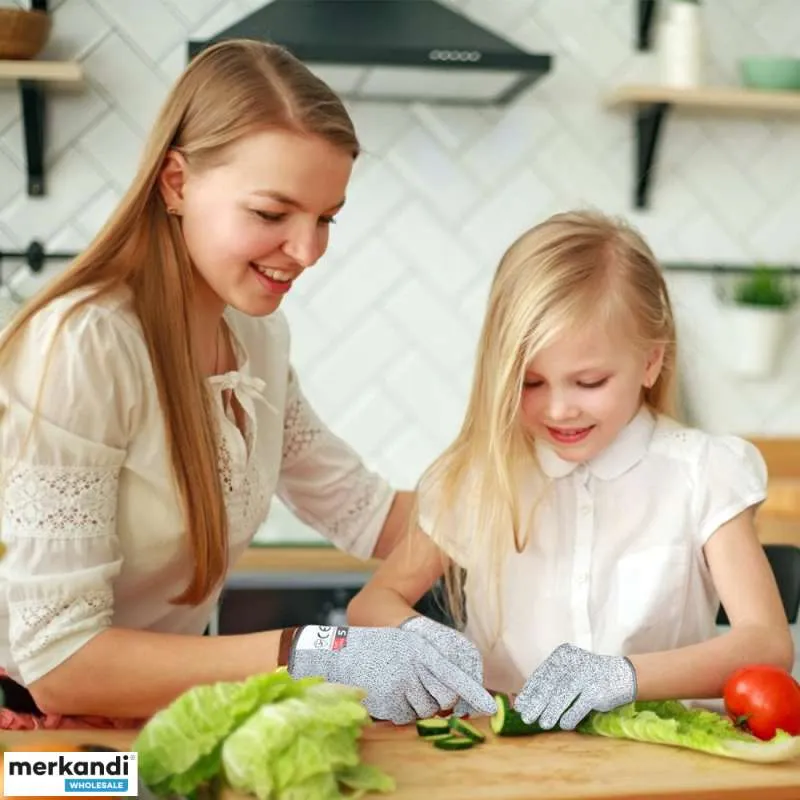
(90, 513)
(615, 564)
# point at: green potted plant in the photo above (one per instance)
(758, 314)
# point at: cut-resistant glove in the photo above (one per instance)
(456, 648)
(570, 683)
(405, 677)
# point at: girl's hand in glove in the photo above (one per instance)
(572, 682)
(405, 676)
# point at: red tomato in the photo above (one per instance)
(763, 699)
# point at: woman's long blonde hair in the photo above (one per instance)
(573, 268)
(229, 91)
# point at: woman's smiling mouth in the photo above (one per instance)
(276, 281)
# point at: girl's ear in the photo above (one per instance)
(171, 181)
(655, 360)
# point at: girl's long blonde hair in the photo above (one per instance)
(573, 268)
(229, 91)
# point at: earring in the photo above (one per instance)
(172, 211)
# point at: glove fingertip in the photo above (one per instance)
(569, 721)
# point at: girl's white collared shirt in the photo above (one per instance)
(90, 512)
(615, 564)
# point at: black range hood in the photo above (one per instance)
(398, 50)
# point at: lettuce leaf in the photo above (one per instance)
(180, 746)
(670, 722)
(364, 778)
(303, 747)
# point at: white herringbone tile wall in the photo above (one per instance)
(385, 326)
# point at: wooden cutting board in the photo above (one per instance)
(557, 766)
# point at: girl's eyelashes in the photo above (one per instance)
(271, 216)
(593, 384)
(533, 383)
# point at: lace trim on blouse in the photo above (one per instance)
(60, 502)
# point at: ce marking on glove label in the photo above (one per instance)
(322, 637)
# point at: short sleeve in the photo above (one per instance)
(60, 476)
(447, 526)
(326, 484)
(732, 476)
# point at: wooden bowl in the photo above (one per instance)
(23, 33)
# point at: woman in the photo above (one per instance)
(150, 412)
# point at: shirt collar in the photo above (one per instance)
(624, 453)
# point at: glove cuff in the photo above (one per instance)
(286, 646)
(634, 678)
(313, 649)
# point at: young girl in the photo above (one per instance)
(597, 534)
(150, 413)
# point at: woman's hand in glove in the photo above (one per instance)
(405, 676)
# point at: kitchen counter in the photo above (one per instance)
(298, 565)
(299, 558)
(558, 766)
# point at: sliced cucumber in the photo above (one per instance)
(454, 743)
(467, 730)
(435, 726)
(507, 722)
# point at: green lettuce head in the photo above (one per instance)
(179, 748)
(303, 748)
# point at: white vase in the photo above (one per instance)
(756, 336)
(681, 45)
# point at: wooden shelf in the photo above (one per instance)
(650, 104)
(56, 73)
(711, 99)
(34, 79)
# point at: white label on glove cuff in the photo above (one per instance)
(322, 637)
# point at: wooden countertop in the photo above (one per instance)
(300, 559)
(558, 766)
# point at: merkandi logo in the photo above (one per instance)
(70, 774)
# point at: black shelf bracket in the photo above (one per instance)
(646, 13)
(31, 95)
(649, 121)
(32, 102)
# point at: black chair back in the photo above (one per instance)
(785, 562)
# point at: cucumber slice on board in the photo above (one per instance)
(454, 743)
(467, 730)
(507, 722)
(435, 726)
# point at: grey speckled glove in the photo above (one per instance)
(404, 675)
(572, 682)
(456, 648)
